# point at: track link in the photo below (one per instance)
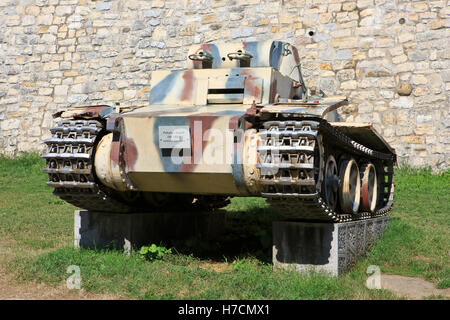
(69, 160)
(292, 161)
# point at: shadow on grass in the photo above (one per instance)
(247, 234)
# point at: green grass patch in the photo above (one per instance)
(37, 228)
(29, 213)
(418, 241)
(181, 277)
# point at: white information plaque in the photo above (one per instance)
(174, 137)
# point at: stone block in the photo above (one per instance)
(323, 247)
(132, 230)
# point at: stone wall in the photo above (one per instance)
(390, 57)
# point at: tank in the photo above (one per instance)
(237, 121)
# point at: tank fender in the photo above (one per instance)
(87, 112)
(323, 107)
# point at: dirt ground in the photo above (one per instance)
(10, 289)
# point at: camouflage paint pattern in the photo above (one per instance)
(193, 136)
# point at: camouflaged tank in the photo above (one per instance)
(238, 121)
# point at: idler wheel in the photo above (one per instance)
(350, 190)
(369, 187)
(331, 181)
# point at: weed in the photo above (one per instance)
(154, 252)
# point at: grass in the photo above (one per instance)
(418, 242)
(36, 231)
(29, 213)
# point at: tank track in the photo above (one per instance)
(292, 163)
(69, 160)
(69, 165)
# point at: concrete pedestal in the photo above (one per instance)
(329, 247)
(132, 230)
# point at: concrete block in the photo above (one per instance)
(131, 231)
(328, 247)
